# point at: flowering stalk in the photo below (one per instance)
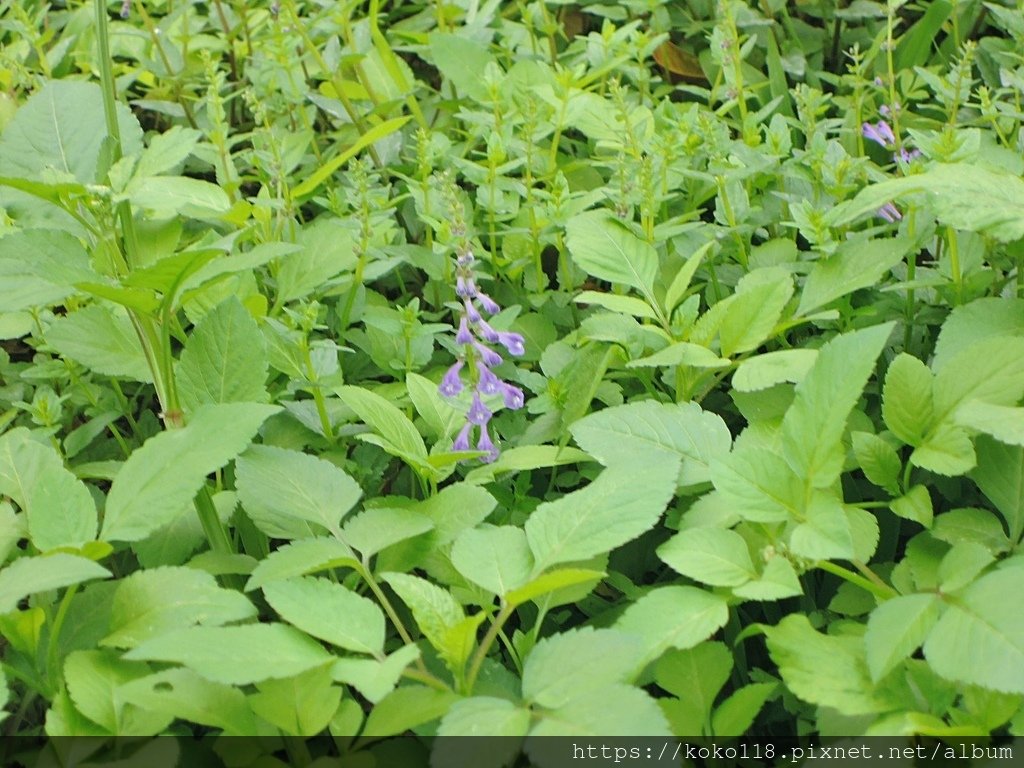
(476, 338)
(882, 134)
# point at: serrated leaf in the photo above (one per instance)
(627, 305)
(373, 678)
(601, 246)
(1004, 423)
(482, 716)
(896, 629)
(182, 694)
(164, 475)
(1000, 476)
(405, 708)
(715, 556)
(300, 705)
(224, 360)
(101, 340)
(916, 505)
(681, 353)
(826, 532)
(673, 617)
(497, 558)
(577, 663)
(907, 401)
(93, 681)
(758, 484)
(616, 710)
(878, 459)
(856, 264)
(552, 581)
(767, 370)
(754, 310)
(441, 418)
(300, 558)
(329, 611)
(292, 495)
(736, 714)
(236, 655)
(167, 196)
(947, 450)
(378, 528)
(29, 575)
(40, 267)
(384, 419)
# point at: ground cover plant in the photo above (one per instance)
(520, 368)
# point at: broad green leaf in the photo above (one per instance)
(299, 558)
(384, 419)
(962, 564)
(769, 369)
(300, 705)
(601, 246)
(293, 495)
(166, 196)
(62, 127)
(93, 680)
(462, 60)
(618, 506)
(736, 714)
(327, 251)
(405, 708)
(236, 655)
(626, 305)
(825, 533)
(812, 429)
(148, 603)
(681, 282)
(580, 380)
(907, 402)
(673, 617)
(979, 640)
(758, 484)
(991, 370)
(578, 662)
(695, 675)
(329, 611)
(164, 475)
(182, 694)
(378, 528)
(552, 581)
(40, 267)
(754, 310)
(167, 150)
(681, 353)
(324, 171)
(896, 629)
(495, 558)
(523, 457)
(947, 450)
(1004, 423)
(1000, 476)
(916, 505)
(964, 196)
(224, 360)
(481, 716)
(982, 318)
(879, 460)
(58, 506)
(663, 432)
(776, 582)
(29, 575)
(916, 44)
(856, 264)
(827, 670)
(441, 418)
(615, 710)
(373, 678)
(715, 556)
(102, 340)
(978, 526)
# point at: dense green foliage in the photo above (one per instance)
(765, 261)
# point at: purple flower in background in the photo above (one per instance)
(879, 133)
(485, 444)
(890, 213)
(126, 8)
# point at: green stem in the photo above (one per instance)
(880, 590)
(485, 645)
(215, 532)
(53, 645)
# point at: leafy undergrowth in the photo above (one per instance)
(511, 368)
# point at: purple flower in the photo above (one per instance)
(464, 287)
(489, 384)
(880, 133)
(513, 397)
(462, 440)
(513, 342)
(126, 8)
(490, 305)
(451, 384)
(485, 444)
(479, 413)
(471, 311)
(487, 332)
(488, 355)
(890, 213)
(906, 156)
(464, 336)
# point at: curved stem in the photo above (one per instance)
(485, 645)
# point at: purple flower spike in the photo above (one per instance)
(880, 133)
(451, 384)
(890, 213)
(490, 305)
(513, 342)
(489, 384)
(513, 397)
(464, 336)
(479, 413)
(462, 440)
(485, 444)
(487, 332)
(906, 156)
(471, 312)
(489, 356)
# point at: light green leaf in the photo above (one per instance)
(482, 716)
(626, 305)
(149, 603)
(167, 196)
(826, 533)
(59, 508)
(715, 556)
(301, 557)
(29, 575)
(663, 432)
(375, 679)
(93, 681)
(615, 710)
(330, 612)
(878, 459)
(896, 629)
(695, 675)
(300, 705)
(462, 60)
(990, 370)
(167, 150)
(754, 310)
(100, 339)
(681, 353)
(915, 505)
(812, 429)
(962, 564)
(495, 558)
(758, 484)
(577, 663)
(164, 475)
(523, 457)
(856, 264)
(182, 694)
(736, 714)
(292, 495)
(979, 640)
(62, 127)
(552, 581)
(907, 402)
(767, 370)
(823, 669)
(378, 528)
(236, 655)
(1004, 423)
(1000, 476)
(673, 617)
(327, 251)
(384, 419)
(40, 267)
(405, 708)
(441, 418)
(776, 582)
(681, 282)
(978, 526)
(983, 318)
(601, 246)
(224, 360)
(947, 450)
(618, 506)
